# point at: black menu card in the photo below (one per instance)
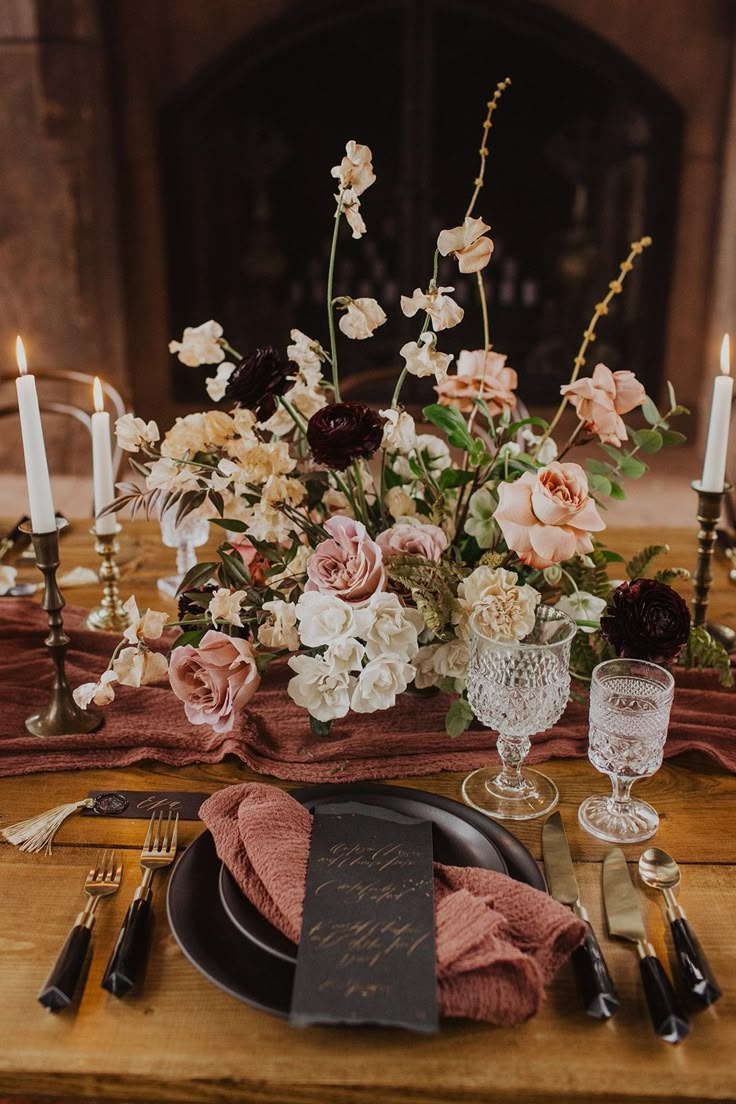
(367, 953)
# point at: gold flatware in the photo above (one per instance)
(61, 985)
(658, 870)
(128, 960)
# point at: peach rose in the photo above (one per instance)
(602, 398)
(349, 565)
(413, 540)
(464, 387)
(548, 517)
(214, 680)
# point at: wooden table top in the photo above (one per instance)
(181, 1039)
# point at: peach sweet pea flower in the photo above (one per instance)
(602, 398)
(548, 517)
(498, 382)
(443, 310)
(471, 250)
(361, 318)
(148, 626)
(355, 171)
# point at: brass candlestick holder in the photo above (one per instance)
(709, 513)
(109, 616)
(62, 716)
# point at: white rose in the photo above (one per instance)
(225, 606)
(451, 659)
(132, 433)
(361, 318)
(583, 606)
(399, 431)
(379, 683)
(280, 630)
(425, 667)
(323, 618)
(393, 628)
(399, 504)
(345, 654)
(548, 451)
(319, 687)
(199, 345)
(217, 384)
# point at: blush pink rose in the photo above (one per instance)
(413, 540)
(214, 680)
(462, 389)
(602, 398)
(548, 517)
(349, 565)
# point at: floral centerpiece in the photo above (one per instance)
(357, 546)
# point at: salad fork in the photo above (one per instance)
(60, 986)
(128, 960)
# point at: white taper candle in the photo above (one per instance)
(716, 448)
(43, 518)
(104, 483)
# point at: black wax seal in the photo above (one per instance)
(110, 804)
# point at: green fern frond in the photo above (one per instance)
(702, 650)
(638, 566)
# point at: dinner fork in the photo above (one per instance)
(128, 959)
(60, 986)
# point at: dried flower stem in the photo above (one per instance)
(614, 288)
(487, 124)
(330, 307)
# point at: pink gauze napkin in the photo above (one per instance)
(499, 942)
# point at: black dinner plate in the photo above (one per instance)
(215, 946)
(455, 842)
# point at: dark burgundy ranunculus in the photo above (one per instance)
(258, 379)
(343, 432)
(646, 619)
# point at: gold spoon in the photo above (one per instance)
(658, 870)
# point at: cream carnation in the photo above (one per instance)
(502, 609)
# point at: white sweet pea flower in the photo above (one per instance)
(400, 504)
(443, 311)
(101, 692)
(225, 606)
(479, 522)
(345, 654)
(355, 171)
(149, 626)
(8, 576)
(399, 431)
(424, 359)
(393, 628)
(361, 318)
(199, 345)
(217, 384)
(379, 683)
(133, 433)
(351, 210)
(319, 687)
(426, 672)
(308, 355)
(280, 630)
(583, 606)
(323, 618)
(166, 475)
(548, 451)
(307, 399)
(471, 250)
(266, 523)
(139, 667)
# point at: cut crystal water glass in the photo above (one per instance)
(185, 536)
(518, 688)
(630, 702)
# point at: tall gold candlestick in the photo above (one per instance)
(709, 513)
(109, 616)
(62, 716)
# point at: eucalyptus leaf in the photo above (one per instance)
(650, 412)
(648, 440)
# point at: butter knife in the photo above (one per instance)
(625, 922)
(591, 973)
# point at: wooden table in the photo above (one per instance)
(181, 1039)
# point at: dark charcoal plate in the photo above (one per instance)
(221, 952)
(455, 842)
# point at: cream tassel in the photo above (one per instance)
(35, 835)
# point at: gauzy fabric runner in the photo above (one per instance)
(273, 735)
(498, 941)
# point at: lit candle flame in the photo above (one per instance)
(725, 356)
(99, 400)
(20, 356)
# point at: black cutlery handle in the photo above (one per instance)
(59, 988)
(128, 960)
(668, 1019)
(695, 973)
(593, 978)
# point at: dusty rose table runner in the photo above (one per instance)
(273, 737)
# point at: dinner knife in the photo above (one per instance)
(625, 922)
(591, 972)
